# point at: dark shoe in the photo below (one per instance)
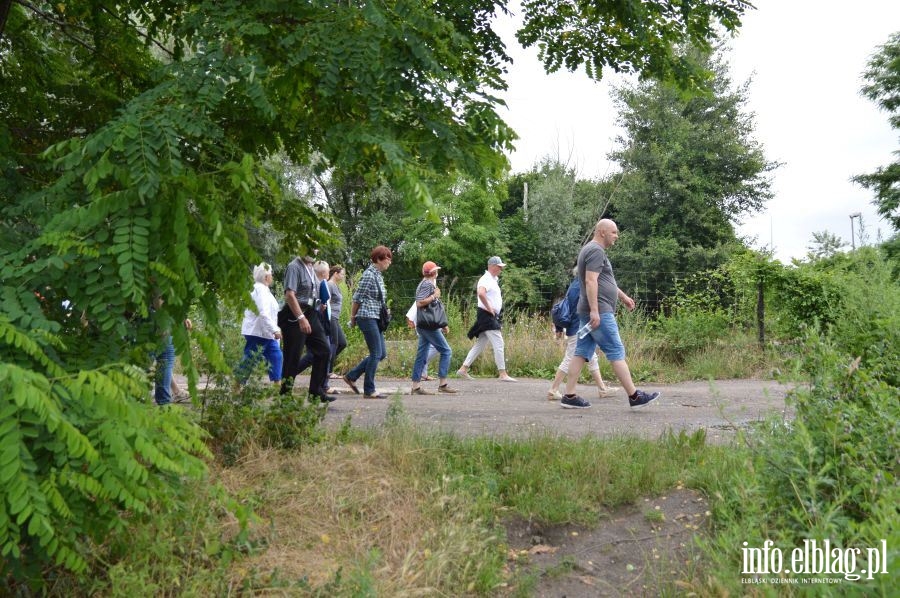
(182, 399)
(446, 389)
(351, 384)
(420, 391)
(325, 398)
(641, 398)
(574, 402)
(375, 395)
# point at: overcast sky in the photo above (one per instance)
(806, 59)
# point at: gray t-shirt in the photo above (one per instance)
(593, 257)
(337, 300)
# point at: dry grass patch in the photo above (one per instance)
(325, 507)
(348, 508)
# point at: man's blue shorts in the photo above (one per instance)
(605, 336)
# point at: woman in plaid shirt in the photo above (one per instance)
(367, 300)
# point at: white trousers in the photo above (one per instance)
(571, 342)
(496, 340)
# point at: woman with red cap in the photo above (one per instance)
(431, 331)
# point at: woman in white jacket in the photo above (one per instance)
(260, 329)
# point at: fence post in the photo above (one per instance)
(760, 312)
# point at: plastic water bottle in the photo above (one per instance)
(584, 330)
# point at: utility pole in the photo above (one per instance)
(852, 232)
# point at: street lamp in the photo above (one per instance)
(852, 234)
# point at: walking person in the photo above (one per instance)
(260, 328)
(411, 315)
(572, 295)
(431, 334)
(301, 327)
(336, 301)
(487, 322)
(597, 307)
(323, 311)
(368, 299)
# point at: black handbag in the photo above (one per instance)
(384, 316)
(432, 317)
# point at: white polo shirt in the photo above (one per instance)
(489, 282)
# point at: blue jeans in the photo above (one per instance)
(377, 352)
(605, 336)
(429, 338)
(256, 346)
(165, 365)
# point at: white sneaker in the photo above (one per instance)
(464, 374)
(606, 392)
(508, 379)
(554, 395)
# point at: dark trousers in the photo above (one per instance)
(316, 342)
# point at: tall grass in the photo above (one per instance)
(533, 350)
(403, 512)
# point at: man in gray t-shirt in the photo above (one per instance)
(593, 258)
(596, 310)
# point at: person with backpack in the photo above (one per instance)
(565, 319)
(597, 309)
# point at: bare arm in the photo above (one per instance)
(590, 289)
(291, 299)
(482, 295)
(628, 301)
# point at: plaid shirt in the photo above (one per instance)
(367, 293)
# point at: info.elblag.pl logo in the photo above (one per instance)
(816, 558)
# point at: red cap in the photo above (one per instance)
(429, 267)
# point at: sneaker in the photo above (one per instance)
(351, 384)
(324, 398)
(375, 395)
(446, 389)
(508, 379)
(642, 399)
(420, 391)
(464, 374)
(554, 395)
(606, 391)
(574, 402)
(182, 398)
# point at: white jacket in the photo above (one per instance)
(263, 324)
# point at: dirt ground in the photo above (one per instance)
(635, 550)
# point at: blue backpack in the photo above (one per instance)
(561, 315)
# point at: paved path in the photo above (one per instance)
(486, 406)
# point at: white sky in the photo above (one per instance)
(806, 59)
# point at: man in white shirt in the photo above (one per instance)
(487, 322)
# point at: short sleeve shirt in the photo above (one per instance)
(492, 287)
(425, 289)
(300, 279)
(593, 257)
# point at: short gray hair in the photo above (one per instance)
(261, 271)
(320, 267)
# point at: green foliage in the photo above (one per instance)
(135, 146)
(691, 168)
(629, 36)
(78, 449)
(883, 87)
(257, 415)
(832, 470)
